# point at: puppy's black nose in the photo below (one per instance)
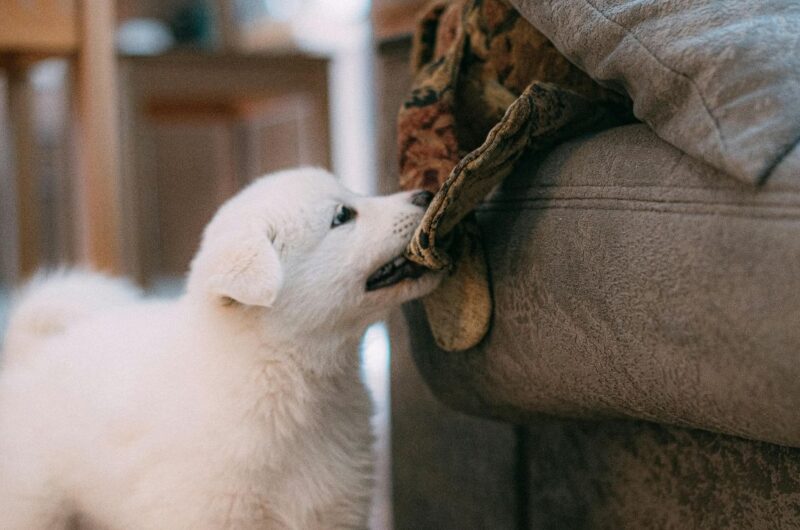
(422, 198)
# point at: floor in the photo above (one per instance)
(375, 355)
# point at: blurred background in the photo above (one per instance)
(123, 125)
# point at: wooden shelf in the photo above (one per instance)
(41, 27)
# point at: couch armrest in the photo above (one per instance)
(632, 281)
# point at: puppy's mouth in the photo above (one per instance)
(394, 272)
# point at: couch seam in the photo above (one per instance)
(743, 215)
(651, 201)
(661, 62)
(772, 190)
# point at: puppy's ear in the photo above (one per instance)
(245, 268)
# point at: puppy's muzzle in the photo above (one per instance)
(422, 198)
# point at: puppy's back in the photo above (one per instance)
(52, 302)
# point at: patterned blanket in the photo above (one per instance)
(488, 88)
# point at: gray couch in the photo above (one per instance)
(643, 366)
(669, 294)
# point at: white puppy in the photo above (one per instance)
(238, 405)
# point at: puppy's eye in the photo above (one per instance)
(344, 214)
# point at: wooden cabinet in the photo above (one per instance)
(201, 127)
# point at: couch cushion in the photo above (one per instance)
(718, 79)
(625, 474)
(671, 293)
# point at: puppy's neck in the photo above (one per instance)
(318, 354)
(254, 335)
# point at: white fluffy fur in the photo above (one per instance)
(237, 406)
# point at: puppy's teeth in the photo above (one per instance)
(393, 272)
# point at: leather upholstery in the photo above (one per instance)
(632, 281)
(638, 475)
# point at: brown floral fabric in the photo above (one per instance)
(488, 88)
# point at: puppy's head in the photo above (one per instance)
(303, 249)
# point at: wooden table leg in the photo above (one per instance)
(27, 190)
(98, 190)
